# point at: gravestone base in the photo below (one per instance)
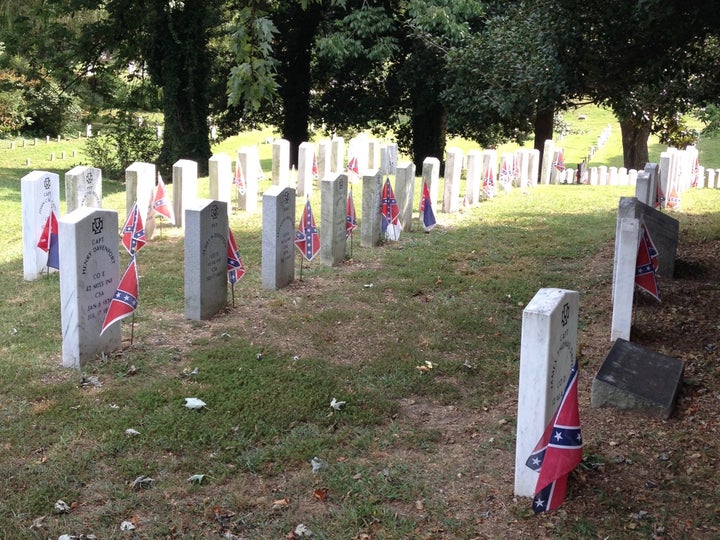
(634, 378)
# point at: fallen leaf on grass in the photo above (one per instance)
(281, 503)
(142, 481)
(337, 405)
(318, 464)
(127, 526)
(194, 403)
(427, 366)
(61, 507)
(197, 478)
(320, 494)
(130, 432)
(303, 531)
(37, 523)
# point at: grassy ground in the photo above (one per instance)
(415, 453)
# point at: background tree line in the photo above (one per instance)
(491, 71)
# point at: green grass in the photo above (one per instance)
(449, 297)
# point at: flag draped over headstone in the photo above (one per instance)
(558, 451)
(428, 216)
(647, 264)
(161, 204)
(49, 241)
(235, 266)
(125, 299)
(133, 232)
(390, 213)
(351, 217)
(307, 238)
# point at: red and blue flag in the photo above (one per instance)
(125, 299)
(428, 216)
(49, 241)
(161, 204)
(351, 217)
(307, 238)
(235, 266)
(646, 265)
(133, 232)
(390, 213)
(558, 451)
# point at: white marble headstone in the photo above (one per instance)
(40, 194)
(83, 188)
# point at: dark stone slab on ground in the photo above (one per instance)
(637, 379)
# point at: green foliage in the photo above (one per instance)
(13, 108)
(128, 138)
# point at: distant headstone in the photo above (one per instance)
(306, 152)
(627, 238)
(451, 190)
(534, 167)
(613, 176)
(323, 158)
(388, 158)
(185, 188)
(139, 187)
(247, 156)
(337, 155)
(710, 178)
(206, 236)
(472, 176)
(431, 176)
(663, 229)
(371, 223)
(547, 355)
(333, 211)
(547, 162)
(40, 194)
(278, 236)
(602, 175)
(281, 162)
(489, 161)
(88, 280)
(83, 188)
(634, 378)
(373, 154)
(88, 130)
(405, 192)
(221, 179)
(642, 189)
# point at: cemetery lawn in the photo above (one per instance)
(420, 338)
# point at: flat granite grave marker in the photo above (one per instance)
(206, 236)
(278, 236)
(634, 378)
(220, 175)
(83, 188)
(371, 223)
(547, 355)
(40, 194)
(333, 213)
(88, 280)
(185, 188)
(405, 192)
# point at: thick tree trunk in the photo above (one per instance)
(635, 143)
(543, 129)
(429, 131)
(296, 33)
(181, 65)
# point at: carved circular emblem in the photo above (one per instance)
(89, 177)
(46, 182)
(214, 211)
(97, 225)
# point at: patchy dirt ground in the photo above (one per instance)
(642, 477)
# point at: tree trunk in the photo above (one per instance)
(181, 65)
(635, 136)
(429, 131)
(543, 129)
(297, 31)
